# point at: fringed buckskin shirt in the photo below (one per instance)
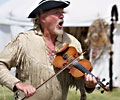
(29, 54)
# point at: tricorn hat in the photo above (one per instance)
(46, 5)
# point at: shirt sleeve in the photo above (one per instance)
(89, 90)
(8, 59)
(78, 46)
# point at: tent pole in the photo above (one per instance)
(114, 13)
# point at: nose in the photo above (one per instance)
(61, 16)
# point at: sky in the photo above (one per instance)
(2, 1)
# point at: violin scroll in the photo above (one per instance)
(106, 87)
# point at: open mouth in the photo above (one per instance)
(60, 24)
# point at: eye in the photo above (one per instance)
(59, 12)
(64, 12)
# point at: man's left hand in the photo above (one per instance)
(90, 81)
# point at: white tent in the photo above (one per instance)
(80, 13)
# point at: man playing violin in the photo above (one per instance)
(32, 53)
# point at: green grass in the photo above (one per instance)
(73, 95)
(96, 95)
(114, 95)
(5, 94)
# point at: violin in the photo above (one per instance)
(68, 57)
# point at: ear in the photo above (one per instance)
(42, 18)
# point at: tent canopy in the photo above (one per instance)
(79, 13)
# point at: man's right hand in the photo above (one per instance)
(28, 90)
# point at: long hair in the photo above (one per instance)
(37, 22)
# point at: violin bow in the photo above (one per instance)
(56, 74)
(114, 19)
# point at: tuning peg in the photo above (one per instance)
(103, 79)
(102, 91)
(98, 87)
(107, 83)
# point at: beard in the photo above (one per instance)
(58, 31)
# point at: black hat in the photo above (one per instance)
(46, 5)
